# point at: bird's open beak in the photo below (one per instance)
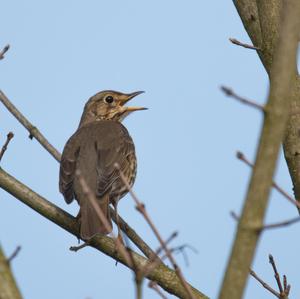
(128, 97)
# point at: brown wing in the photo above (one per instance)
(118, 151)
(108, 142)
(68, 168)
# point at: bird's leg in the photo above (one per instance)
(78, 219)
(119, 237)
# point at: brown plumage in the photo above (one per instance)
(99, 142)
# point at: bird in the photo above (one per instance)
(100, 143)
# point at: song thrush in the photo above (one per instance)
(99, 143)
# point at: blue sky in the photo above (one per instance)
(63, 52)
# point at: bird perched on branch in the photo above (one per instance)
(100, 143)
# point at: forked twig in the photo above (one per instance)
(283, 290)
(154, 261)
(264, 284)
(182, 250)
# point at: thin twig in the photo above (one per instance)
(264, 284)
(182, 250)
(283, 290)
(153, 285)
(3, 51)
(272, 225)
(243, 158)
(171, 238)
(230, 93)
(141, 208)
(79, 247)
(247, 46)
(134, 237)
(154, 261)
(14, 254)
(9, 137)
(276, 275)
(282, 223)
(33, 131)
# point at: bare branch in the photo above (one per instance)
(182, 249)
(247, 46)
(3, 51)
(33, 131)
(230, 93)
(270, 226)
(154, 260)
(264, 284)
(296, 203)
(282, 223)
(171, 238)
(9, 137)
(134, 237)
(163, 275)
(282, 78)
(141, 208)
(283, 291)
(276, 275)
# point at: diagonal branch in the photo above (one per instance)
(275, 120)
(142, 209)
(33, 131)
(164, 276)
(230, 93)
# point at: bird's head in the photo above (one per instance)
(108, 105)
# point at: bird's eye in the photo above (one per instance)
(109, 99)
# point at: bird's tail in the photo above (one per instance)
(90, 221)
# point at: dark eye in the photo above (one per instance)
(109, 99)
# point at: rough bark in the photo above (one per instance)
(279, 57)
(248, 12)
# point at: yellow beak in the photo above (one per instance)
(127, 97)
